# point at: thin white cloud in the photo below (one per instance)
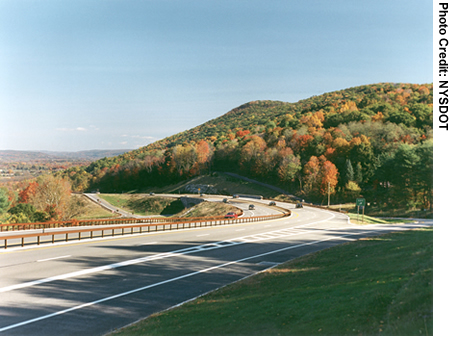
(139, 137)
(143, 137)
(79, 129)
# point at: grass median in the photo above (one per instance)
(375, 286)
(369, 220)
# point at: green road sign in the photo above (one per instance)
(361, 202)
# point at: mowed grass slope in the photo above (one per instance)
(144, 204)
(376, 286)
(153, 205)
(90, 210)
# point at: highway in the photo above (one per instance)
(92, 287)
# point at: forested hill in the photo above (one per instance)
(372, 140)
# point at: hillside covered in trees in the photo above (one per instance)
(373, 141)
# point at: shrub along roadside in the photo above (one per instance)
(376, 286)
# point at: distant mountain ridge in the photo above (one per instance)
(14, 156)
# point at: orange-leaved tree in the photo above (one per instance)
(52, 196)
(329, 177)
(204, 154)
(28, 192)
(311, 176)
(318, 172)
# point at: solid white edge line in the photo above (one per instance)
(84, 305)
(133, 261)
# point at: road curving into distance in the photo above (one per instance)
(92, 287)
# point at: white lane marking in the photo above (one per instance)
(84, 305)
(179, 252)
(147, 244)
(202, 235)
(240, 230)
(54, 258)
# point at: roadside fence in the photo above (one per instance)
(60, 231)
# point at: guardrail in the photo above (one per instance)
(137, 227)
(98, 222)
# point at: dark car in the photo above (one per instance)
(299, 205)
(251, 206)
(272, 203)
(231, 215)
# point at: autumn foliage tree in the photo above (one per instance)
(319, 175)
(28, 192)
(251, 151)
(184, 156)
(312, 139)
(204, 154)
(289, 168)
(52, 196)
(311, 176)
(329, 178)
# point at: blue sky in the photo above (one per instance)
(96, 74)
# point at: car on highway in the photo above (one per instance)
(251, 206)
(299, 205)
(231, 215)
(272, 203)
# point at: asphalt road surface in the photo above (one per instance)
(92, 287)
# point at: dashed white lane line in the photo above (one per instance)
(148, 243)
(84, 305)
(54, 258)
(183, 251)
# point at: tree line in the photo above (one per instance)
(373, 141)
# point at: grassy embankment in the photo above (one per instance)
(91, 210)
(375, 286)
(144, 204)
(153, 205)
(375, 211)
(368, 220)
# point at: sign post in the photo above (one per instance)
(361, 202)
